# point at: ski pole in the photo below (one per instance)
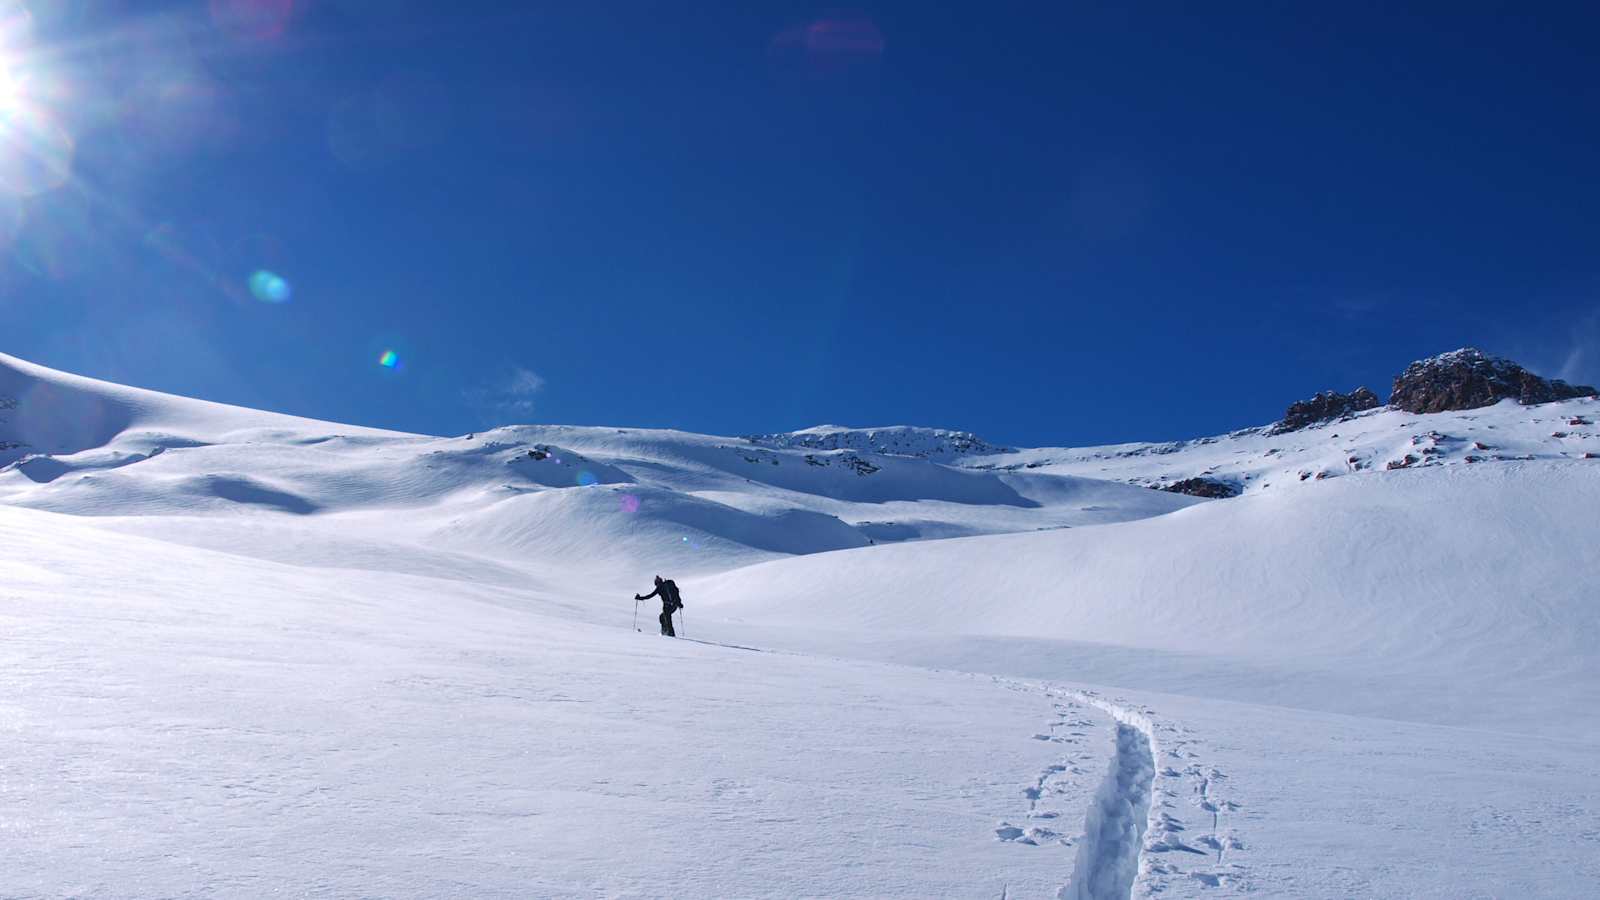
(683, 622)
(636, 613)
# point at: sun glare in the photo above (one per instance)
(36, 150)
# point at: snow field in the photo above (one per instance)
(244, 653)
(185, 721)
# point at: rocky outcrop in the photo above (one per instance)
(1469, 378)
(849, 460)
(1325, 407)
(936, 444)
(1202, 487)
(6, 404)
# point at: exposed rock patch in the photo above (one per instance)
(1324, 407)
(7, 404)
(1469, 378)
(1202, 487)
(937, 444)
(849, 460)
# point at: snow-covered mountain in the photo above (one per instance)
(246, 652)
(1255, 459)
(1484, 419)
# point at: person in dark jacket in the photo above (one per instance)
(671, 602)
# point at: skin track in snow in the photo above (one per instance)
(1108, 858)
(1121, 811)
(1118, 817)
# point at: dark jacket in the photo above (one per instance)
(670, 600)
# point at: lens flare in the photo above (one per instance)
(389, 359)
(630, 503)
(269, 288)
(586, 479)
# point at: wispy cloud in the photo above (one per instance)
(1565, 346)
(510, 393)
(1582, 361)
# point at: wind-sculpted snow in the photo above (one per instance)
(682, 533)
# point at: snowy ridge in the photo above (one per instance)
(604, 499)
(1375, 441)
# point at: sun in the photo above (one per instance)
(36, 149)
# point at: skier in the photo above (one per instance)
(671, 602)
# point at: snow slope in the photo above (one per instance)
(245, 652)
(177, 722)
(1391, 647)
(1423, 599)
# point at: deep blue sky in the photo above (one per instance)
(1046, 223)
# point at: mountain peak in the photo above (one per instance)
(1468, 378)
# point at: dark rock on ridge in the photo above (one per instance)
(1469, 378)
(1202, 487)
(1325, 407)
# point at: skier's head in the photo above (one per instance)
(658, 579)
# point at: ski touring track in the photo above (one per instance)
(1136, 837)
(1134, 834)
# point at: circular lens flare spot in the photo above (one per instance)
(586, 479)
(389, 359)
(269, 288)
(629, 503)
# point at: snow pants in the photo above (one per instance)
(666, 624)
